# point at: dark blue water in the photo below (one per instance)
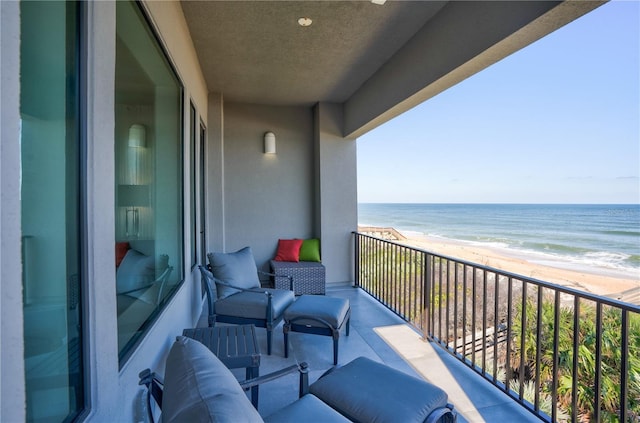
(605, 236)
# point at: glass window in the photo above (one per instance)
(148, 181)
(202, 196)
(193, 133)
(51, 210)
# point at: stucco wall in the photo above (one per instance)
(12, 397)
(308, 189)
(337, 185)
(267, 197)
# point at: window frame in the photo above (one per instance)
(134, 343)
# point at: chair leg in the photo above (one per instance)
(336, 338)
(269, 341)
(250, 373)
(285, 330)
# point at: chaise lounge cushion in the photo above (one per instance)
(199, 388)
(307, 409)
(364, 390)
(237, 268)
(253, 306)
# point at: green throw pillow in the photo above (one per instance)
(310, 250)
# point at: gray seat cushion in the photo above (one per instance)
(331, 310)
(253, 305)
(307, 409)
(238, 269)
(199, 388)
(367, 391)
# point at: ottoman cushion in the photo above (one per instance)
(331, 310)
(365, 390)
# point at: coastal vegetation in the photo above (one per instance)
(609, 337)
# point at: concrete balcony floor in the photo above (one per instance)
(380, 335)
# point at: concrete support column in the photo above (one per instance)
(214, 168)
(336, 192)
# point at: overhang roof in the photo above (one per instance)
(376, 60)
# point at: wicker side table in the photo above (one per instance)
(308, 276)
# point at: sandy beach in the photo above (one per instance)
(595, 281)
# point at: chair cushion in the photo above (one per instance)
(199, 388)
(331, 310)
(238, 268)
(306, 409)
(135, 271)
(121, 250)
(253, 305)
(364, 390)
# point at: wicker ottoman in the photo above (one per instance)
(308, 276)
(317, 315)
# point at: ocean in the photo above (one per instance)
(599, 238)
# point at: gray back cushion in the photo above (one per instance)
(199, 388)
(238, 269)
(136, 271)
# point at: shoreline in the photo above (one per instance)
(592, 280)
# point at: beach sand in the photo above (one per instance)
(595, 281)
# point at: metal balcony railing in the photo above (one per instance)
(563, 354)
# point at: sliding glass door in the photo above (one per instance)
(51, 204)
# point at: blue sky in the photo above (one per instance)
(557, 122)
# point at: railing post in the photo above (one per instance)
(426, 291)
(357, 259)
(624, 373)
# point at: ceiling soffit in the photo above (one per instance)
(255, 51)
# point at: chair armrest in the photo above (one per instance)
(443, 415)
(227, 284)
(155, 388)
(302, 369)
(291, 285)
(162, 280)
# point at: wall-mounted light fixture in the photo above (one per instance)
(269, 143)
(137, 135)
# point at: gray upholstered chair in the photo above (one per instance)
(234, 294)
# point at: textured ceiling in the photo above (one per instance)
(255, 51)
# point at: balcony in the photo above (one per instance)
(380, 334)
(407, 313)
(562, 354)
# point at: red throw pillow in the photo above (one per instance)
(121, 250)
(288, 250)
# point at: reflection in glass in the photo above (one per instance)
(148, 180)
(50, 210)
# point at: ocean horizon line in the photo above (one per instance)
(605, 236)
